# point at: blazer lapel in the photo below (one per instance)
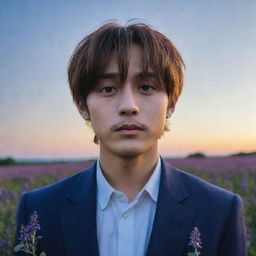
(79, 216)
(172, 223)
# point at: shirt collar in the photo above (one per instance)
(152, 185)
(105, 190)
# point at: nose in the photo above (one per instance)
(127, 102)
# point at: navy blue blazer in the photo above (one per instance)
(67, 212)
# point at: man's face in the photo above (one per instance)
(128, 118)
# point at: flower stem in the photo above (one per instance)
(33, 244)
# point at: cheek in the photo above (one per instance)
(94, 111)
(160, 118)
(99, 115)
(159, 110)
(94, 106)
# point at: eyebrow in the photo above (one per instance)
(141, 75)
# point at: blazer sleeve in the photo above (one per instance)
(234, 240)
(21, 218)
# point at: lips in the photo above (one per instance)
(129, 127)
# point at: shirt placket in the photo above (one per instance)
(126, 234)
(125, 237)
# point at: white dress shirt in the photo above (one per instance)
(123, 229)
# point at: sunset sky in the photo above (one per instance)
(216, 113)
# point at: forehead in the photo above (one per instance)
(133, 62)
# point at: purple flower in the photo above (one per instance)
(28, 239)
(194, 239)
(28, 232)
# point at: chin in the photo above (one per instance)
(128, 149)
(129, 153)
(131, 150)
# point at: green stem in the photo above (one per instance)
(27, 249)
(33, 244)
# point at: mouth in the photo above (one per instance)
(129, 129)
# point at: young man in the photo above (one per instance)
(125, 81)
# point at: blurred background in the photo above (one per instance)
(216, 113)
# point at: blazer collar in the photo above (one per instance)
(173, 221)
(79, 216)
(172, 182)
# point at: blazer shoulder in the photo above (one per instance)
(58, 190)
(204, 191)
(210, 202)
(200, 184)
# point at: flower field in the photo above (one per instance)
(237, 174)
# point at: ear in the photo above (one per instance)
(84, 113)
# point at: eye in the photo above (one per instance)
(108, 90)
(146, 88)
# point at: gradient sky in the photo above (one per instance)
(216, 113)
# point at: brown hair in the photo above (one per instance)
(92, 54)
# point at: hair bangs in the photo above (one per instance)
(92, 55)
(116, 43)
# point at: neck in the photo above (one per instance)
(128, 174)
